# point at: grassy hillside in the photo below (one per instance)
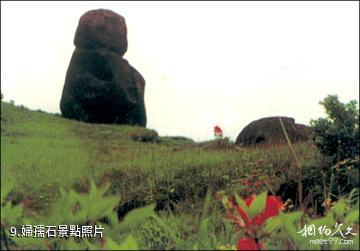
(41, 153)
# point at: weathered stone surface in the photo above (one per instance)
(268, 131)
(100, 85)
(102, 29)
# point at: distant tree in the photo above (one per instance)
(337, 135)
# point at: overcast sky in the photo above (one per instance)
(205, 63)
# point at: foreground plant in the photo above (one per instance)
(249, 215)
(337, 135)
(71, 209)
(261, 224)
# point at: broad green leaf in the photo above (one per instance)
(272, 224)
(257, 205)
(276, 222)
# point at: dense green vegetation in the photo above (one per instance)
(337, 135)
(59, 171)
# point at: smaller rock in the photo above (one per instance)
(269, 131)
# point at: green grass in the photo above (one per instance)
(43, 152)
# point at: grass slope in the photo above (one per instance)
(42, 152)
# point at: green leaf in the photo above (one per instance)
(71, 244)
(328, 220)
(339, 208)
(224, 198)
(90, 246)
(135, 217)
(276, 222)
(290, 228)
(352, 217)
(28, 243)
(11, 215)
(129, 244)
(111, 245)
(75, 208)
(204, 234)
(240, 202)
(206, 204)
(272, 224)
(257, 205)
(294, 216)
(6, 186)
(61, 211)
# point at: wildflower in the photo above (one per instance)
(218, 132)
(248, 244)
(272, 208)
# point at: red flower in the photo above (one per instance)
(217, 131)
(248, 244)
(272, 208)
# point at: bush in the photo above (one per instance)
(337, 135)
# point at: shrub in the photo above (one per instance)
(337, 135)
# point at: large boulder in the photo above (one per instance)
(100, 85)
(268, 131)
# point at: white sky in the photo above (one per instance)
(205, 63)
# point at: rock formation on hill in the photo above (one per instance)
(268, 131)
(100, 85)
